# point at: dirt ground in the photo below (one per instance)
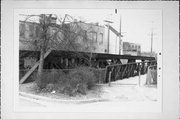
(121, 90)
(30, 88)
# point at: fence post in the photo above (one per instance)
(148, 77)
(106, 71)
(109, 79)
(100, 77)
(139, 77)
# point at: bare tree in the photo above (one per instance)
(59, 36)
(75, 38)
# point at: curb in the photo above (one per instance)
(47, 99)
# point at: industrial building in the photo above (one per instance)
(91, 39)
(131, 49)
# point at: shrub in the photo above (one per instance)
(100, 75)
(48, 77)
(83, 75)
(78, 80)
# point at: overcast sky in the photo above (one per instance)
(137, 24)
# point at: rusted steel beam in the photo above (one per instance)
(73, 54)
(136, 70)
(118, 73)
(124, 72)
(121, 71)
(131, 70)
(106, 74)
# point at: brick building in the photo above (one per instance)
(131, 49)
(92, 38)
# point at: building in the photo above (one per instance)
(74, 36)
(88, 37)
(92, 38)
(131, 49)
(28, 31)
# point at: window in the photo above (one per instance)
(22, 30)
(136, 46)
(90, 35)
(38, 32)
(101, 38)
(85, 35)
(132, 46)
(31, 29)
(79, 39)
(93, 36)
(129, 47)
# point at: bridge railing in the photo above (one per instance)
(117, 71)
(121, 71)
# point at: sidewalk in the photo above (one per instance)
(129, 90)
(122, 90)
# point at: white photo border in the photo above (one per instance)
(12, 9)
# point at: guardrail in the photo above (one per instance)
(120, 71)
(103, 75)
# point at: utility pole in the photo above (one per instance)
(152, 38)
(151, 41)
(120, 34)
(108, 40)
(120, 40)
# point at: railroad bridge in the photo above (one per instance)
(112, 63)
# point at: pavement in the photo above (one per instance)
(29, 102)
